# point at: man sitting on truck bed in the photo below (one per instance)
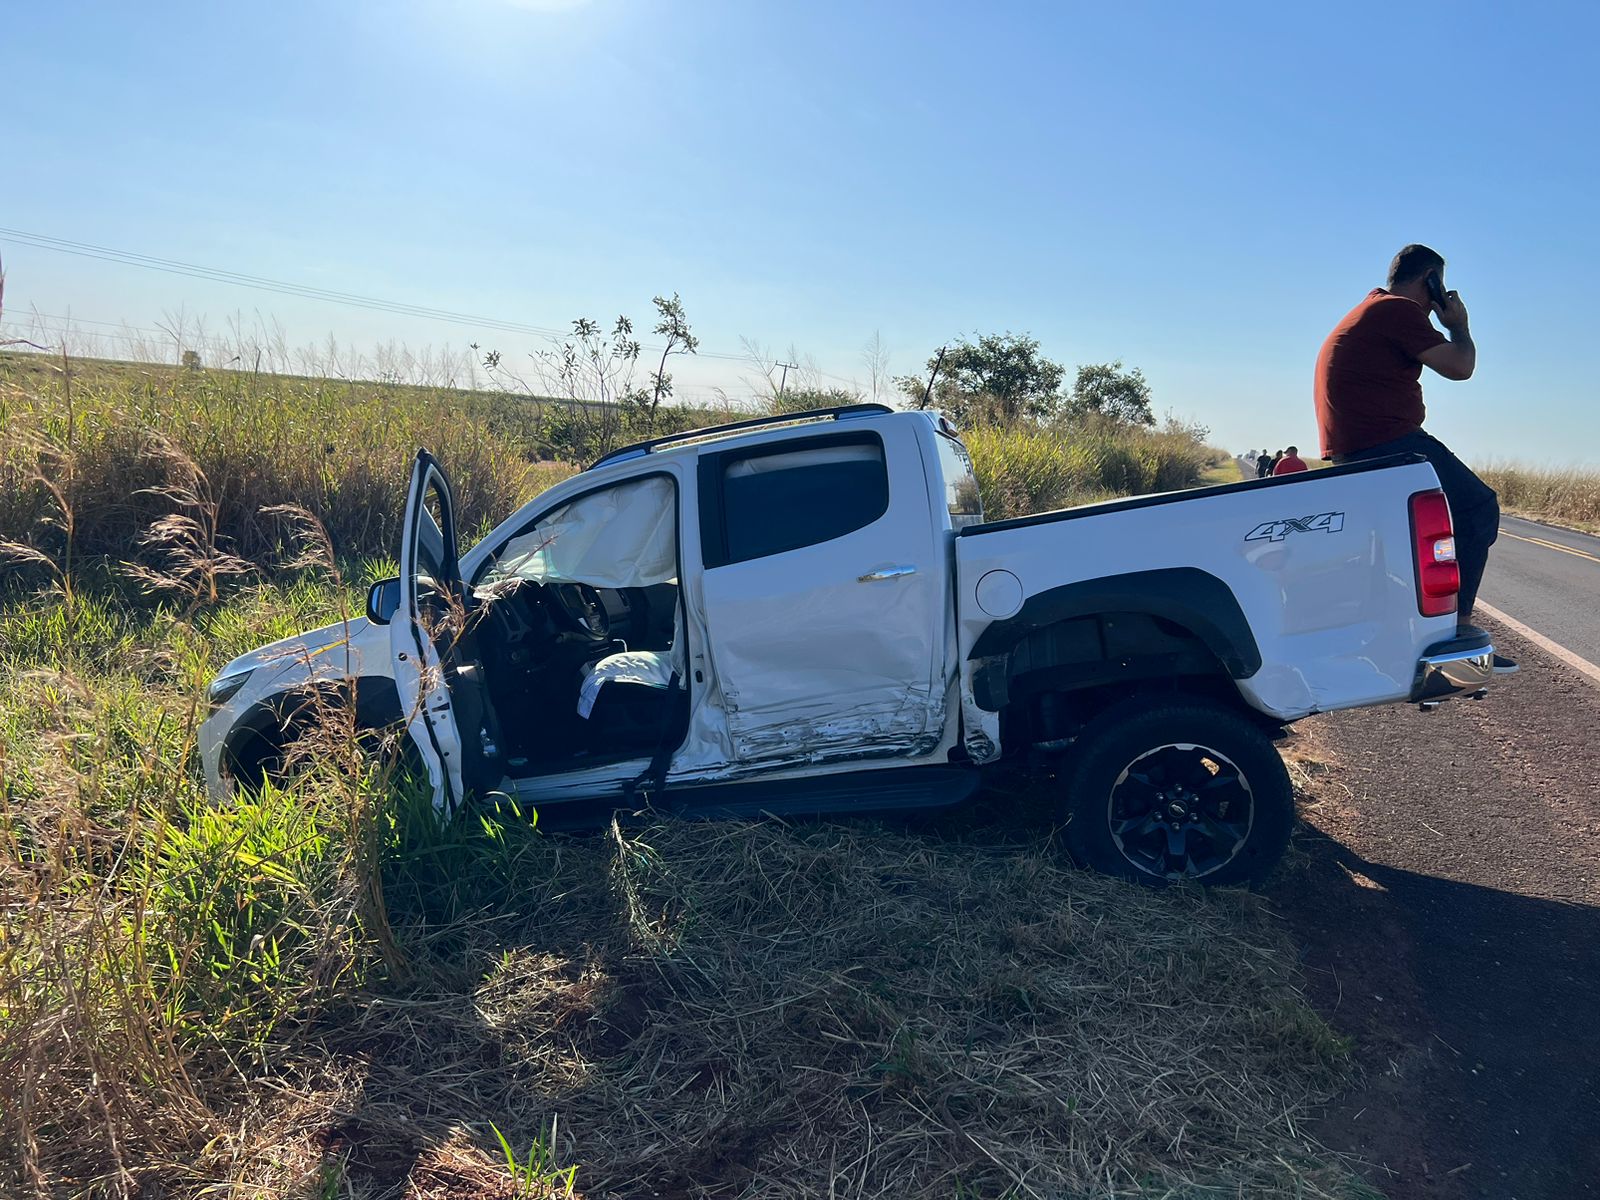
(1369, 399)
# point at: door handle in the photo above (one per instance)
(886, 573)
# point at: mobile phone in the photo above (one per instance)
(1435, 289)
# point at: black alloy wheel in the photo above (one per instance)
(1180, 811)
(1182, 790)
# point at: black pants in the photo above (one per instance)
(1474, 507)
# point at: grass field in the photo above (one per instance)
(1562, 495)
(317, 991)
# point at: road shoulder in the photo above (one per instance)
(1443, 888)
(1568, 526)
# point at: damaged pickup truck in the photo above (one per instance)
(809, 613)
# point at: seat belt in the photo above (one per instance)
(652, 781)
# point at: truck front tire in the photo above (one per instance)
(1166, 790)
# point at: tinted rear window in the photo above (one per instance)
(801, 496)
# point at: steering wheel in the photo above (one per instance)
(582, 610)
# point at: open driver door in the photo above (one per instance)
(436, 672)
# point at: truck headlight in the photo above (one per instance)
(226, 688)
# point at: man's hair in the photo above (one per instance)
(1294, 449)
(1413, 262)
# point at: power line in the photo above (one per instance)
(93, 335)
(76, 320)
(130, 258)
(261, 283)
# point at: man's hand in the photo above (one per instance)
(1452, 313)
(1457, 358)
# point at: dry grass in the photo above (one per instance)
(1563, 495)
(791, 1011)
(120, 446)
(117, 443)
(751, 1009)
(1224, 469)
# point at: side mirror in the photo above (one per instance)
(383, 598)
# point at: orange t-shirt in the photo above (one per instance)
(1290, 463)
(1369, 375)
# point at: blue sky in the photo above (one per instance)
(1201, 191)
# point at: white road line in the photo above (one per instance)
(1581, 665)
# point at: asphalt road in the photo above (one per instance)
(1446, 899)
(1445, 893)
(1549, 580)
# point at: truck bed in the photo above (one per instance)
(1316, 567)
(1221, 489)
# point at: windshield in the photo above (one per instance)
(618, 537)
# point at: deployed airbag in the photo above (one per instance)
(621, 537)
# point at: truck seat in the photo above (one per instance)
(648, 668)
(645, 668)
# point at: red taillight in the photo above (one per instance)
(1433, 548)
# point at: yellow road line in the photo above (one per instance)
(1550, 545)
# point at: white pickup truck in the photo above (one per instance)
(809, 612)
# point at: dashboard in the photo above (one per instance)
(522, 611)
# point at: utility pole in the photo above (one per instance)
(784, 379)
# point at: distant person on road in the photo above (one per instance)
(1263, 465)
(1290, 462)
(1369, 399)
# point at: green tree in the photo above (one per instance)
(673, 326)
(1109, 390)
(594, 377)
(999, 378)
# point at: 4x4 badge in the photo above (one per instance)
(1276, 531)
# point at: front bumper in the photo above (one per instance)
(1463, 664)
(213, 736)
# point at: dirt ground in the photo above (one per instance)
(1445, 889)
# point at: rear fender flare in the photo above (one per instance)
(1188, 597)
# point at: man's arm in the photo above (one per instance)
(1457, 358)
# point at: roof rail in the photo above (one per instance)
(842, 412)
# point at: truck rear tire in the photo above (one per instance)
(1177, 790)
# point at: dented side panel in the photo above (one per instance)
(843, 649)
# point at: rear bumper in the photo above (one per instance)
(1462, 664)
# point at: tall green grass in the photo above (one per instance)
(320, 989)
(160, 951)
(1032, 469)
